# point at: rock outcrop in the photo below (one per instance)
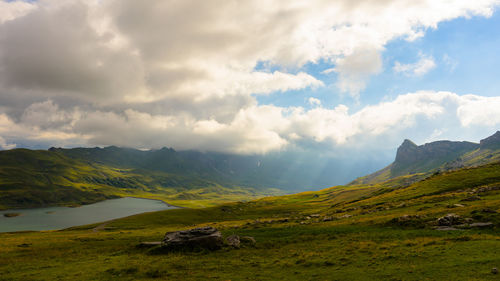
(412, 158)
(204, 238)
(491, 142)
(449, 220)
(233, 241)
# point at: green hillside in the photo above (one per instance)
(43, 178)
(384, 231)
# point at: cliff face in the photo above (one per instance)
(409, 152)
(434, 156)
(492, 142)
(411, 158)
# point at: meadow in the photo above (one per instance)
(372, 232)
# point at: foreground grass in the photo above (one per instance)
(313, 252)
(364, 241)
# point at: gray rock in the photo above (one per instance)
(481, 224)
(327, 218)
(204, 237)
(494, 270)
(449, 220)
(445, 228)
(248, 240)
(233, 240)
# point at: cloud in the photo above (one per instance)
(184, 73)
(314, 101)
(355, 69)
(14, 9)
(260, 129)
(4, 145)
(479, 111)
(419, 68)
(115, 51)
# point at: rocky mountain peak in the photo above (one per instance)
(409, 153)
(406, 151)
(491, 142)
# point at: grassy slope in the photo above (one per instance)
(40, 178)
(366, 241)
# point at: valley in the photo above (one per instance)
(397, 229)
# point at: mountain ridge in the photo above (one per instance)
(437, 156)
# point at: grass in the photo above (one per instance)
(365, 240)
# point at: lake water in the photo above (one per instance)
(52, 218)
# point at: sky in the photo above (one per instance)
(248, 77)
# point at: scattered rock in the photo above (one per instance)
(314, 216)
(494, 270)
(490, 211)
(149, 244)
(408, 221)
(469, 220)
(471, 198)
(486, 189)
(204, 237)
(481, 224)
(233, 240)
(449, 220)
(248, 240)
(458, 205)
(345, 216)
(445, 228)
(327, 218)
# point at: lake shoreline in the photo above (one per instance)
(62, 217)
(81, 205)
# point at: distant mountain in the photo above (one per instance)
(287, 171)
(31, 178)
(436, 156)
(35, 178)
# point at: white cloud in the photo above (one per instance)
(261, 129)
(13, 9)
(314, 101)
(479, 111)
(419, 68)
(113, 51)
(184, 73)
(355, 69)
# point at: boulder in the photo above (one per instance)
(494, 270)
(204, 237)
(233, 240)
(248, 240)
(449, 220)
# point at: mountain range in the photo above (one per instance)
(435, 157)
(58, 176)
